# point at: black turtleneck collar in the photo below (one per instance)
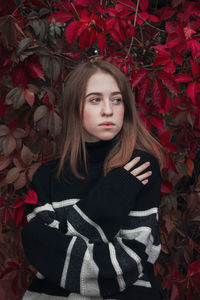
(97, 151)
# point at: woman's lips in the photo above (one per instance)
(107, 124)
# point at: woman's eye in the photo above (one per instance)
(96, 100)
(117, 100)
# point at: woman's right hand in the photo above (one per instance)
(139, 172)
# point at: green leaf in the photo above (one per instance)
(40, 112)
(15, 97)
(4, 162)
(11, 95)
(12, 175)
(168, 203)
(26, 155)
(29, 96)
(4, 130)
(8, 144)
(54, 124)
(52, 67)
(19, 133)
(21, 181)
(23, 44)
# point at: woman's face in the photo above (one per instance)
(103, 111)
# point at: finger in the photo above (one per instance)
(144, 176)
(140, 169)
(145, 181)
(132, 163)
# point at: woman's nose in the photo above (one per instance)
(107, 108)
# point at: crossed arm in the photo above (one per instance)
(91, 258)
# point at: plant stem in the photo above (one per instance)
(132, 38)
(142, 18)
(136, 12)
(75, 11)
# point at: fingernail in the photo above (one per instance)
(138, 158)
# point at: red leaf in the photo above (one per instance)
(178, 59)
(31, 197)
(188, 32)
(183, 77)
(164, 139)
(175, 3)
(143, 89)
(143, 4)
(83, 2)
(192, 91)
(195, 68)
(101, 41)
(194, 268)
(87, 38)
(169, 81)
(161, 60)
(195, 48)
(158, 93)
(157, 122)
(166, 187)
(60, 16)
(171, 27)
(19, 76)
(165, 13)
(144, 15)
(137, 77)
(170, 67)
(71, 31)
(29, 97)
(166, 108)
(130, 3)
(35, 69)
(145, 120)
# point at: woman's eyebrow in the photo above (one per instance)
(99, 94)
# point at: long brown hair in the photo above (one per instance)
(132, 135)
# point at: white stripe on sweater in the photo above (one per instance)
(45, 207)
(97, 227)
(143, 213)
(133, 255)
(37, 296)
(143, 235)
(89, 275)
(143, 283)
(64, 203)
(117, 267)
(73, 232)
(54, 224)
(155, 252)
(66, 264)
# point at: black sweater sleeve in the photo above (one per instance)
(106, 246)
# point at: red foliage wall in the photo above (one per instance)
(157, 45)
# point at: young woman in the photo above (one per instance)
(93, 233)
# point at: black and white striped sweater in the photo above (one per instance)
(94, 238)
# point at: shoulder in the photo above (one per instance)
(145, 156)
(46, 170)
